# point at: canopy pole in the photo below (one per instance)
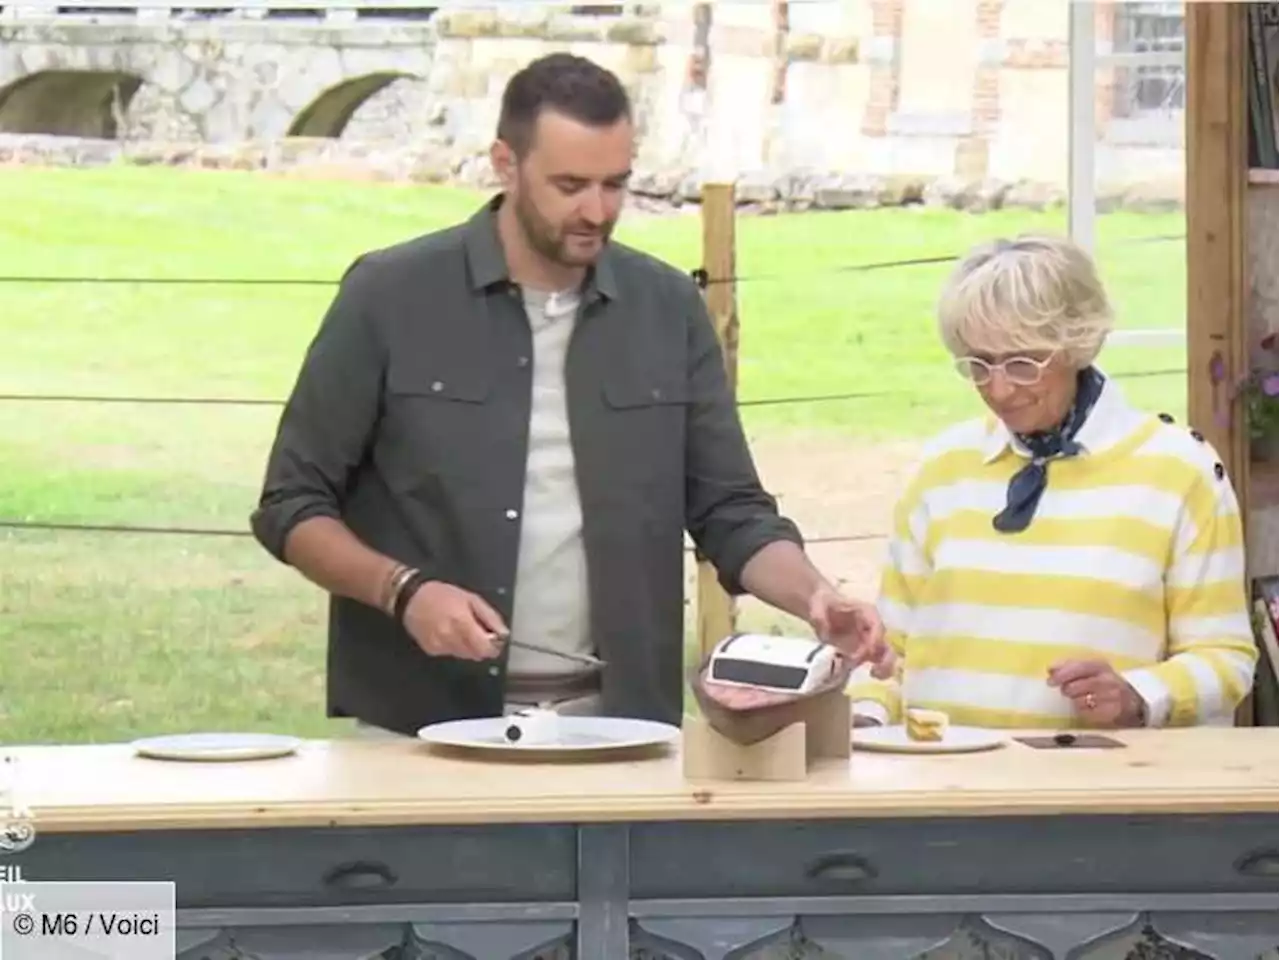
(1082, 132)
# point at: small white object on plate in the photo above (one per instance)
(217, 746)
(532, 727)
(575, 734)
(765, 662)
(957, 739)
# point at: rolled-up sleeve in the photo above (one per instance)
(728, 513)
(328, 421)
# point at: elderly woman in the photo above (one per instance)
(1069, 560)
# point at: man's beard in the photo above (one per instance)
(549, 242)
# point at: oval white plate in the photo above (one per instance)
(217, 746)
(576, 734)
(894, 739)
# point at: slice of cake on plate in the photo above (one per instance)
(926, 725)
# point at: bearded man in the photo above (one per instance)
(501, 432)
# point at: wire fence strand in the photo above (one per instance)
(267, 402)
(171, 281)
(231, 533)
(216, 532)
(699, 275)
(146, 401)
(50, 525)
(703, 280)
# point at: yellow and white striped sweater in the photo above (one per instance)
(1135, 555)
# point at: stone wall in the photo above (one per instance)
(654, 189)
(968, 94)
(216, 81)
(967, 89)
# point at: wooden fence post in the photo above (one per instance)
(715, 610)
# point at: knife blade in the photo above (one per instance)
(580, 658)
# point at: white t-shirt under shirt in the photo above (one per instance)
(551, 599)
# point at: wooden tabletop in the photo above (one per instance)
(371, 782)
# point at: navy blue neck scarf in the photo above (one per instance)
(1028, 484)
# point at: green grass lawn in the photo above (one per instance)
(106, 635)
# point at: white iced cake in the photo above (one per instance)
(532, 726)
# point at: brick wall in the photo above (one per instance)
(973, 152)
(986, 80)
(1026, 54)
(882, 91)
(1044, 49)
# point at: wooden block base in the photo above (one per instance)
(824, 732)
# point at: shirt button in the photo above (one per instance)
(512, 514)
(523, 362)
(437, 386)
(502, 591)
(494, 671)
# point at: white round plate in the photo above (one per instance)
(217, 746)
(576, 735)
(894, 739)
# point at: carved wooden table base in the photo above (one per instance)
(866, 889)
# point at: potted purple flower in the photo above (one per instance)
(1259, 391)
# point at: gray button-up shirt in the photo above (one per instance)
(409, 422)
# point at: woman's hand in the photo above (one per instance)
(1099, 694)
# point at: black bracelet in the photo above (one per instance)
(406, 593)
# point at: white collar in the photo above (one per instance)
(1109, 422)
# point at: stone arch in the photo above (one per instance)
(328, 114)
(68, 103)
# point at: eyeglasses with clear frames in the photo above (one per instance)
(1022, 371)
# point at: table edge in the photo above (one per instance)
(391, 814)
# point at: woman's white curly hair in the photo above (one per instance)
(1032, 294)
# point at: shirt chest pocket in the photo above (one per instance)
(437, 420)
(646, 422)
(655, 407)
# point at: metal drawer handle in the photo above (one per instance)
(360, 875)
(842, 867)
(1258, 863)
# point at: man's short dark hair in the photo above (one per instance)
(567, 84)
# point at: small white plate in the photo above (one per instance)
(957, 739)
(576, 735)
(217, 746)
